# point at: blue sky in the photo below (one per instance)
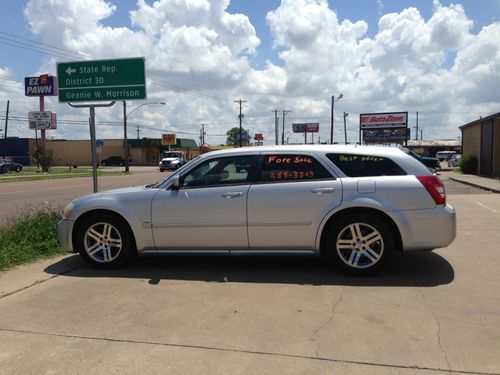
(12, 21)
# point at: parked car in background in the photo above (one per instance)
(4, 168)
(454, 161)
(354, 205)
(431, 163)
(115, 160)
(172, 160)
(445, 155)
(11, 166)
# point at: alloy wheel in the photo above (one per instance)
(360, 245)
(102, 242)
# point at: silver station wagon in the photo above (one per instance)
(355, 205)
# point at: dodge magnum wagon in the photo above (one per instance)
(354, 205)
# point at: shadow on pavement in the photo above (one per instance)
(418, 269)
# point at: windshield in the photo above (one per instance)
(172, 154)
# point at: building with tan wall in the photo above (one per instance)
(481, 139)
(144, 151)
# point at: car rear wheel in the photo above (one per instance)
(104, 241)
(360, 244)
(18, 169)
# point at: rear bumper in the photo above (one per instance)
(64, 231)
(428, 229)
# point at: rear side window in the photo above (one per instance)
(291, 167)
(365, 165)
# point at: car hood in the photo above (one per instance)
(117, 193)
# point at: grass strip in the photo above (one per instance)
(34, 177)
(29, 237)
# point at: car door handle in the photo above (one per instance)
(321, 191)
(232, 194)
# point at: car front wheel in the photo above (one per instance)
(104, 241)
(360, 244)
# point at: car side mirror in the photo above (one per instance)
(177, 182)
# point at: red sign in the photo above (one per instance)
(383, 120)
(258, 137)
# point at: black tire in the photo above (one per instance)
(85, 241)
(357, 255)
(19, 169)
(161, 170)
(103, 163)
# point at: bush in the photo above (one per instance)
(468, 164)
(29, 237)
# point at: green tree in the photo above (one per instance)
(44, 158)
(233, 137)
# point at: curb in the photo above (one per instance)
(493, 190)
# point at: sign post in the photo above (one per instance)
(100, 81)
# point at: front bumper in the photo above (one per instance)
(64, 232)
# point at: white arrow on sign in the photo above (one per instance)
(70, 70)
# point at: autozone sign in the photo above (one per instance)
(383, 120)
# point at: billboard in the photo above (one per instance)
(383, 120)
(310, 127)
(386, 135)
(42, 120)
(168, 139)
(44, 85)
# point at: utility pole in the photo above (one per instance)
(138, 131)
(416, 133)
(240, 117)
(202, 134)
(421, 136)
(332, 116)
(125, 140)
(345, 128)
(283, 133)
(276, 127)
(6, 120)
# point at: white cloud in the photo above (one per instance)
(433, 66)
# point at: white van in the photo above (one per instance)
(444, 155)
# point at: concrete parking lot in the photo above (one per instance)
(427, 313)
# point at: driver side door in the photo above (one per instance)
(208, 211)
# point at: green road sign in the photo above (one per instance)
(101, 80)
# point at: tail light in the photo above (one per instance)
(435, 188)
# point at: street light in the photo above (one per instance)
(125, 116)
(345, 129)
(333, 104)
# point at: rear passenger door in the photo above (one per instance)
(292, 194)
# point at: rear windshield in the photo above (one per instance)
(365, 165)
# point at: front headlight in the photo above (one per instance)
(68, 210)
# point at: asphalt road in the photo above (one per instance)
(427, 313)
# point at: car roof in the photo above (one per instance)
(347, 149)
